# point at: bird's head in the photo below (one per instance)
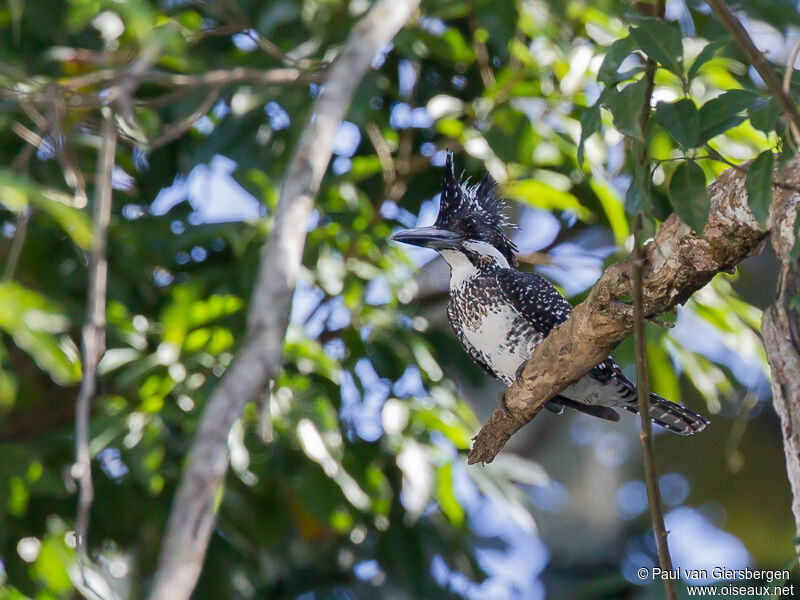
(470, 222)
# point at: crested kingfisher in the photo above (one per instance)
(500, 314)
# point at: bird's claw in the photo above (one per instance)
(518, 374)
(501, 405)
(501, 397)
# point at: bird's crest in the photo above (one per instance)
(479, 207)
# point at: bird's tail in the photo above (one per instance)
(672, 416)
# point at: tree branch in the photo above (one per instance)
(177, 81)
(174, 131)
(193, 512)
(93, 336)
(677, 263)
(209, 78)
(756, 58)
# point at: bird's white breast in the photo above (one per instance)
(504, 340)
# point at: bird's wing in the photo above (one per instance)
(534, 298)
(474, 354)
(542, 305)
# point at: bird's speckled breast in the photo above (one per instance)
(489, 328)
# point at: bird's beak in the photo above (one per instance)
(428, 237)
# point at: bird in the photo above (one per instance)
(500, 314)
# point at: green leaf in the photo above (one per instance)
(51, 565)
(73, 221)
(661, 42)
(722, 113)
(681, 119)
(688, 195)
(637, 197)
(445, 494)
(663, 379)
(626, 106)
(707, 53)
(590, 123)
(18, 192)
(613, 207)
(759, 185)
(541, 195)
(764, 114)
(35, 324)
(617, 52)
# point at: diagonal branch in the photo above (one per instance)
(677, 263)
(175, 130)
(756, 58)
(192, 516)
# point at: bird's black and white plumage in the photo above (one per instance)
(500, 314)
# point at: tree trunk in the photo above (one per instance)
(781, 331)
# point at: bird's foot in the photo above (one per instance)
(501, 397)
(519, 372)
(501, 405)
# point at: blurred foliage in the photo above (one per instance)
(354, 486)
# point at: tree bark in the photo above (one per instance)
(193, 515)
(678, 262)
(780, 328)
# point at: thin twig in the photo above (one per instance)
(34, 115)
(643, 392)
(67, 159)
(32, 139)
(16, 244)
(72, 88)
(383, 152)
(274, 51)
(713, 154)
(787, 86)
(209, 78)
(93, 337)
(265, 431)
(171, 97)
(482, 56)
(176, 130)
(264, 44)
(756, 58)
(21, 164)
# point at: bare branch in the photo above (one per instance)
(20, 233)
(192, 517)
(209, 78)
(76, 98)
(482, 55)
(787, 89)
(677, 263)
(176, 130)
(383, 152)
(756, 58)
(230, 76)
(93, 337)
(21, 164)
